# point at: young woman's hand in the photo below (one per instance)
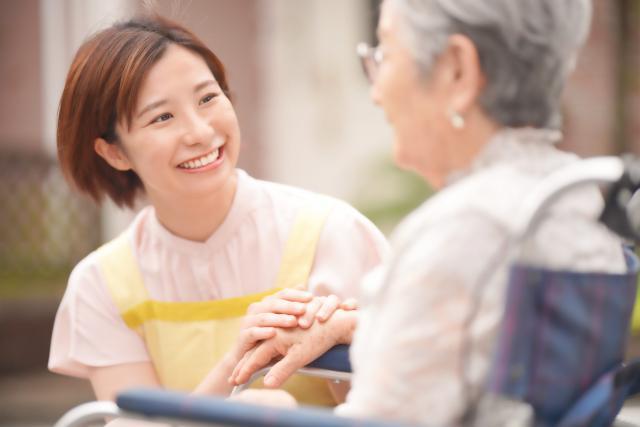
(280, 310)
(322, 308)
(293, 307)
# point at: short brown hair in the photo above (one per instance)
(102, 88)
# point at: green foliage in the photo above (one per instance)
(44, 228)
(19, 283)
(390, 194)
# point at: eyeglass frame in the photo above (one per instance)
(371, 58)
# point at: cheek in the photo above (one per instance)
(149, 151)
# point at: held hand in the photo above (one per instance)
(297, 347)
(275, 311)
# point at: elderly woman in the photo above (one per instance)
(472, 90)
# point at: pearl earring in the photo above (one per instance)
(457, 121)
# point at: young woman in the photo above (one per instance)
(145, 109)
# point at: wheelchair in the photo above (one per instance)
(584, 318)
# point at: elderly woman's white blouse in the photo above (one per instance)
(407, 349)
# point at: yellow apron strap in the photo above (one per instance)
(300, 249)
(186, 339)
(635, 318)
(121, 273)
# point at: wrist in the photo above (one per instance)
(215, 383)
(343, 323)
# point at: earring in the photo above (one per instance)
(457, 121)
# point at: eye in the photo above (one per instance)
(208, 98)
(162, 118)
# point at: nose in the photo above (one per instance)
(197, 129)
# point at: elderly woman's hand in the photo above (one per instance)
(295, 347)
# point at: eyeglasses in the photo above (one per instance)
(371, 58)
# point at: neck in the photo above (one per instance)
(469, 142)
(196, 218)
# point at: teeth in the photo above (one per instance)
(202, 161)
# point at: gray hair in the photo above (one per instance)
(526, 49)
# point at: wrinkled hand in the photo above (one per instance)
(295, 348)
(280, 310)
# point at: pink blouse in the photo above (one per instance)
(242, 257)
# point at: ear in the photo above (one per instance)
(112, 154)
(464, 75)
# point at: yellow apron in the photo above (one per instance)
(185, 340)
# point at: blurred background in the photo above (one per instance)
(306, 120)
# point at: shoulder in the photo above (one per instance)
(284, 196)
(86, 274)
(343, 221)
(496, 193)
(289, 200)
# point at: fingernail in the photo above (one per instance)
(303, 322)
(268, 381)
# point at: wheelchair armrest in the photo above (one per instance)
(162, 405)
(335, 359)
(332, 365)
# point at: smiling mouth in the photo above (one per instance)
(203, 160)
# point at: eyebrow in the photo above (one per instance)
(160, 102)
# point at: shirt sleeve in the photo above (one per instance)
(88, 329)
(350, 246)
(407, 351)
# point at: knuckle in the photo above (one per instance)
(283, 293)
(254, 308)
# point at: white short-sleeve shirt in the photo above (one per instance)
(242, 257)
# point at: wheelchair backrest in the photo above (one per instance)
(561, 332)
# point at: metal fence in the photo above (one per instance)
(45, 228)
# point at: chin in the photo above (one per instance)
(403, 159)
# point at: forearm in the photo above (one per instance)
(217, 381)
